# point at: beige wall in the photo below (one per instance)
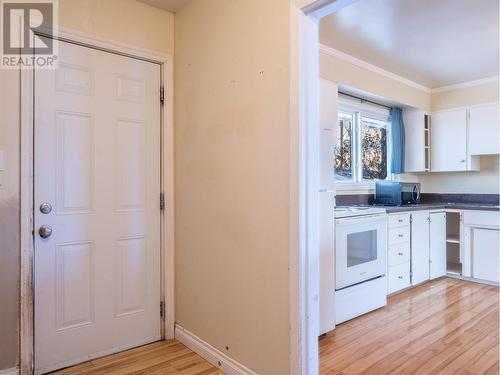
(485, 93)
(343, 72)
(232, 178)
(137, 24)
(9, 218)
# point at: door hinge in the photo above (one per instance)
(162, 201)
(162, 309)
(162, 95)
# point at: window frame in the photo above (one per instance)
(360, 111)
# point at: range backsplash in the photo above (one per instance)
(367, 199)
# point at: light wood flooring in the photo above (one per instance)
(446, 326)
(164, 357)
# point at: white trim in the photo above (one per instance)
(295, 259)
(373, 68)
(167, 152)
(220, 360)
(10, 371)
(463, 85)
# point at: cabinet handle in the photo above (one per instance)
(400, 254)
(400, 277)
(400, 220)
(400, 235)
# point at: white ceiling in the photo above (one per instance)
(434, 43)
(168, 5)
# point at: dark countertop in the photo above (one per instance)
(441, 206)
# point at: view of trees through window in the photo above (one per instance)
(343, 151)
(374, 149)
(361, 152)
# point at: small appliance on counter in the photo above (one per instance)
(397, 193)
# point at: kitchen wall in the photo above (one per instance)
(484, 181)
(344, 72)
(125, 21)
(232, 178)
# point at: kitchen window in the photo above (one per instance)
(362, 154)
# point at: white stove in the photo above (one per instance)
(360, 260)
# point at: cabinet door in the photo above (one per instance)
(484, 132)
(437, 245)
(485, 257)
(414, 120)
(449, 141)
(419, 247)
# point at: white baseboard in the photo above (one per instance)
(10, 371)
(220, 360)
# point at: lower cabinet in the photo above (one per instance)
(437, 245)
(485, 254)
(398, 240)
(420, 241)
(417, 248)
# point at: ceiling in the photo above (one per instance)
(168, 5)
(434, 43)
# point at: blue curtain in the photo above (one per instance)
(398, 140)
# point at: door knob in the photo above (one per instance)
(45, 208)
(45, 231)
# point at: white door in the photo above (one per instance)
(483, 130)
(485, 254)
(419, 247)
(449, 141)
(437, 244)
(97, 163)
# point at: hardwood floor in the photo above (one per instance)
(446, 326)
(164, 357)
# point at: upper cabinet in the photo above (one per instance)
(417, 145)
(449, 142)
(484, 133)
(452, 140)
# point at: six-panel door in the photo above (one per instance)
(97, 163)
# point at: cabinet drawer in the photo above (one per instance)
(398, 277)
(399, 220)
(399, 235)
(399, 254)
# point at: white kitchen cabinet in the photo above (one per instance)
(485, 254)
(480, 245)
(449, 142)
(437, 248)
(398, 241)
(420, 239)
(417, 132)
(484, 132)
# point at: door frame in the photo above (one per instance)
(166, 62)
(304, 180)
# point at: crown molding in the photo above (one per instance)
(462, 85)
(373, 68)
